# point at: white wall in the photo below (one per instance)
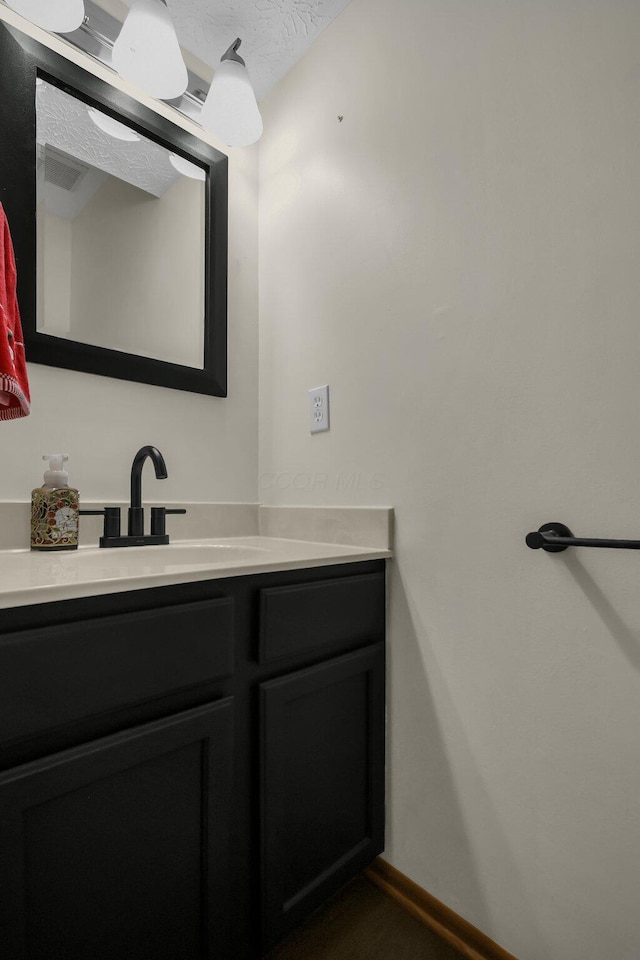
(54, 235)
(138, 271)
(458, 258)
(209, 443)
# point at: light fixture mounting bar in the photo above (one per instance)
(96, 37)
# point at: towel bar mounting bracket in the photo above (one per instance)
(535, 541)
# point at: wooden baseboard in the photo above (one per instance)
(440, 919)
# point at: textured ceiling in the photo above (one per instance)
(64, 122)
(274, 33)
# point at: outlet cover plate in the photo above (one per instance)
(319, 409)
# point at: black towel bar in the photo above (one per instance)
(556, 537)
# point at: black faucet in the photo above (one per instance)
(136, 536)
(136, 513)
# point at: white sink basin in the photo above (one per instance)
(188, 553)
(140, 559)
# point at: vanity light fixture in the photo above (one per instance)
(230, 111)
(112, 127)
(186, 168)
(59, 16)
(147, 51)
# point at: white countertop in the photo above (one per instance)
(29, 577)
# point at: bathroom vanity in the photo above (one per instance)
(189, 769)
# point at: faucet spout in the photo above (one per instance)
(136, 536)
(136, 515)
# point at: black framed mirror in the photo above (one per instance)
(119, 225)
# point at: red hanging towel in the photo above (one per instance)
(14, 385)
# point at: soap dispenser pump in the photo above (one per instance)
(54, 509)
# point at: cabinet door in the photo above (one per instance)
(120, 848)
(322, 783)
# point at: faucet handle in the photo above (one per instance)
(111, 520)
(158, 515)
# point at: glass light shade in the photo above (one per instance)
(113, 127)
(147, 51)
(230, 111)
(59, 16)
(186, 168)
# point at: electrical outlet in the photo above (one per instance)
(319, 409)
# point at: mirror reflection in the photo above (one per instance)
(121, 235)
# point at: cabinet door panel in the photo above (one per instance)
(120, 848)
(322, 783)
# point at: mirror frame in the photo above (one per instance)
(22, 59)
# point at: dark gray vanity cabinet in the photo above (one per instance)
(188, 772)
(115, 835)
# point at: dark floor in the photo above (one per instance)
(362, 923)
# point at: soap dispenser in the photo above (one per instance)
(54, 509)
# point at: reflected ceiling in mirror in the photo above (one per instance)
(120, 235)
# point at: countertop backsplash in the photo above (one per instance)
(349, 526)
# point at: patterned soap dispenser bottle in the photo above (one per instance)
(54, 509)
